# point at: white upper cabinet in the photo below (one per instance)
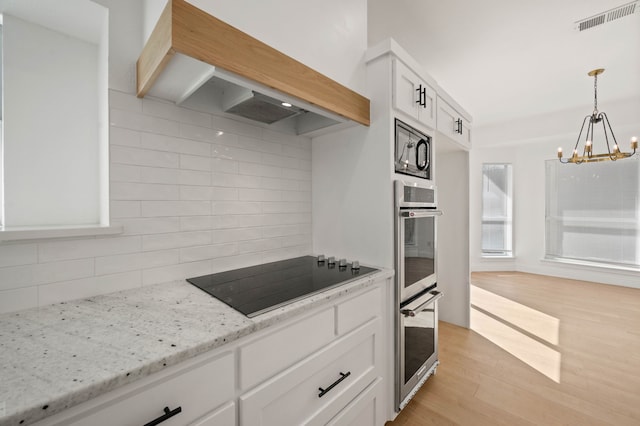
(453, 124)
(413, 96)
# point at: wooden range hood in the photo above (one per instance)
(184, 30)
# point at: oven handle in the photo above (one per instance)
(411, 310)
(420, 213)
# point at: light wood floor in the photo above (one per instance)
(542, 351)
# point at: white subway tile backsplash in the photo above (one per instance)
(144, 157)
(194, 192)
(131, 262)
(176, 272)
(240, 234)
(193, 254)
(194, 177)
(145, 123)
(175, 240)
(18, 254)
(195, 223)
(144, 191)
(173, 144)
(18, 299)
(84, 248)
(63, 271)
(172, 112)
(234, 181)
(123, 209)
(224, 165)
(143, 174)
(193, 162)
(175, 208)
(145, 226)
(235, 207)
(124, 137)
(15, 277)
(124, 101)
(88, 287)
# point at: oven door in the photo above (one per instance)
(416, 244)
(418, 345)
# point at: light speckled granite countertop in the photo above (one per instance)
(58, 356)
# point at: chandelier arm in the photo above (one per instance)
(612, 157)
(610, 129)
(580, 134)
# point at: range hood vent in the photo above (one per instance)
(256, 106)
(607, 16)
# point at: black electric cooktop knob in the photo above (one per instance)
(331, 260)
(342, 263)
(321, 258)
(355, 265)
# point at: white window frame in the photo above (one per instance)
(506, 220)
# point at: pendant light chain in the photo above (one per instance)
(595, 95)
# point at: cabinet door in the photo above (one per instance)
(413, 96)
(223, 416)
(316, 389)
(365, 410)
(453, 125)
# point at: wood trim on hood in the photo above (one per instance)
(183, 28)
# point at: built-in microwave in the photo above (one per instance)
(413, 151)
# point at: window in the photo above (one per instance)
(592, 212)
(497, 208)
(54, 119)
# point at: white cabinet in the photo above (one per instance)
(315, 390)
(314, 368)
(196, 390)
(413, 96)
(453, 125)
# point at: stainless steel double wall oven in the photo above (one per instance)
(416, 287)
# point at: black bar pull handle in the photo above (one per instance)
(343, 376)
(166, 416)
(458, 128)
(422, 96)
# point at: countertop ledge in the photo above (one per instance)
(58, 356)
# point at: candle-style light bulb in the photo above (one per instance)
(634, 143)
(587, 146)
(616, 149)
(575, 153)
(559, 152)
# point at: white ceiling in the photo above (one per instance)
(504, 59)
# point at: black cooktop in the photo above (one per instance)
(258, 289)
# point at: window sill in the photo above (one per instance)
(591, 264)
(47, 232)
(496, 257)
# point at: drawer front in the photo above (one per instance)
(196, 391)
(358, 310)
(292, 398)
(365, 410)
(284, 347)
(223, 416)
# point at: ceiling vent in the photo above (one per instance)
(607, 16)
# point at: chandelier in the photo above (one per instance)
(597, 117)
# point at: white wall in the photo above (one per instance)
(452, 178)
(527, 143)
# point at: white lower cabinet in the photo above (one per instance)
(321, 367)
(316, 389)
(195, 390)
